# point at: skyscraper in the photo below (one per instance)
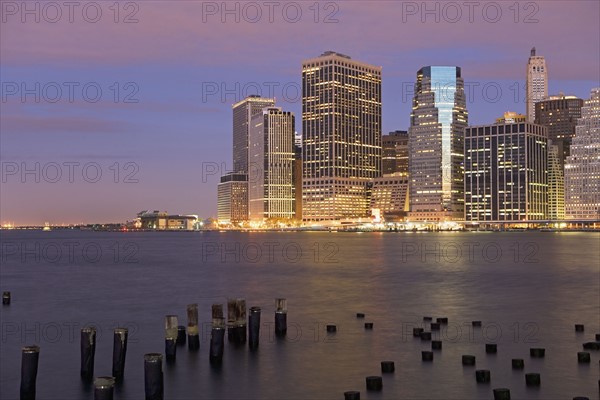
(559, 114)
(341, 136)
(505, 172)
(438, 118)
(582, 168)
(394, 152)
(232, 193)
(243, 111)
(556, 184)
(271, 156)
(536, 83)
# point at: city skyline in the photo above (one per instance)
(131, 135)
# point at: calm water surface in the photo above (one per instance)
(527, 288)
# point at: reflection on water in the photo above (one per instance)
(527, 288)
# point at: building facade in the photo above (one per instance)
(556, 184)
(271, 156)
(506, 172)
(438, 119)
(243, 111)
(559, 114)
(510, 117)
(582, 168)
(163, 221)
(232, 199)
(394, 153)
(536, 83)
(389, 195)
(341, 136)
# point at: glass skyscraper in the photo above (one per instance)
(438, 119)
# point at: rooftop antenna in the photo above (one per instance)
(533, 52)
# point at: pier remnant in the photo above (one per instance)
(193, 334)
(119, 353)
(171, 323)
(387, 367)
(236, 321)
(374, 383)
(280, 317)
(217, 336)
(153, 376)
(104, 387)
(88, 351)
(30, 356)
(254, 327)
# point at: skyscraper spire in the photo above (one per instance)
(536, 83)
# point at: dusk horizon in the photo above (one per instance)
(178, 70)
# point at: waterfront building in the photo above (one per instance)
(438, 119)
(506, 172)
(271, 156)
(341, 136)
(232, 199)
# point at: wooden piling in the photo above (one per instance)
(217, 336)
(280, 317)
(30, 356)
(153, 376)
(104, 387)
(88, 351)
(193, 333)
(119, 353)
(171, 323)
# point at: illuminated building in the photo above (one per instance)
(389, 195)
(536, 85)
(582, 168)
(243, 111)
(341, 136)
(506, 172)
(438, 119)
(271, 154)
(232, 199)
(556, 184)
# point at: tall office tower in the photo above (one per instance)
(505, 172)
(243, 111)
(536, 83)
(556, 184)
(232, 195)
(559, 114)
(271, 156)
(394, 153)
(438, 118)
(341, 136)
(582, 168)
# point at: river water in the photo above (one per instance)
(529, 289)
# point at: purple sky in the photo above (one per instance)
(167, 150)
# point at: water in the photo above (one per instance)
(527, 288)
